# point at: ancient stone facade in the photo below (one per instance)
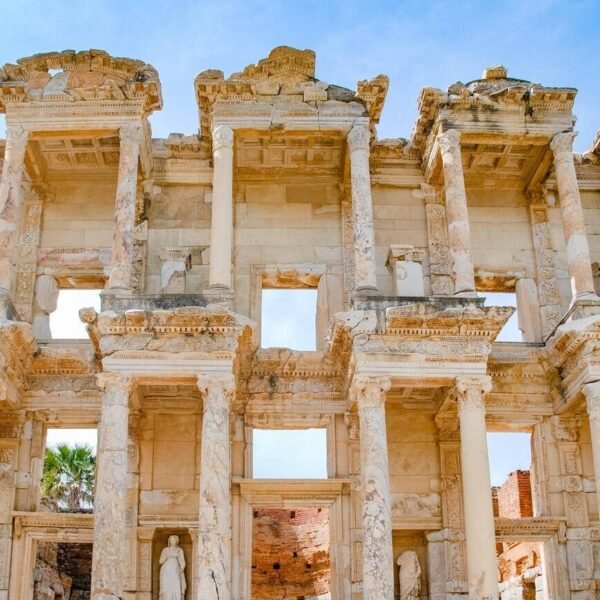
(286, 185)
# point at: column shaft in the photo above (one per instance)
(10, 186)
(110, 500)
(578, 252)
(592, 395)
(122, 247)
(480, 530)
(378, 563)
(362, 209)
(459, 232)
(213, 568)
(221, 226)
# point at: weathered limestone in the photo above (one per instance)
(578, 252)
(378, 581)
(10, 190)
(404, 264)
(528, 310)
(175, 263)
(213, 566)
(459, 232)
(477, 496)
(123, 237)
(221, 236)
(592, 396)
(110, 502)
(362, 209)
(46, 296)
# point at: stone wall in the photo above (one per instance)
(290, 554)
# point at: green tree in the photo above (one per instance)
(69, 473)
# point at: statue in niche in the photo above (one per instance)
(172, 571)
(409, 575)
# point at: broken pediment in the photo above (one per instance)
(69, 76)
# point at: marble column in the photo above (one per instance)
(459, 231)
(480, 530)
(592, 396)
(213, 554)
(110, 499)
(125, 206)
(362, 209)
(378, 563)
(578, 252)
(221, 224)
(10, 189)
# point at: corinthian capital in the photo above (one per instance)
(132, 132)
(222, 136)
(470, 391)
(449, 141)
(116, 387)
(563, 142)
(592, 396)
(359, 138)
(217, 390)
(369, 391)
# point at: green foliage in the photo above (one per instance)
(69, 473)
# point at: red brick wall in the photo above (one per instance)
(514, 496)
(290, 554)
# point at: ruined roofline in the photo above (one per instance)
(493, 92)
(285, 77)
(88, 75)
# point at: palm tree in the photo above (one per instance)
(69, 473)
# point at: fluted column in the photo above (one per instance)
(578, 252)
(480, 530)
(110, 499)
(122, 247)
(592, 396)
(213, 567)
(10, 186)
(362, 209)
(221, 224)
(459, 231)
(378, 564)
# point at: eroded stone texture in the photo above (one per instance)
(10, 191)
(459, 232)
(111, 488)
(478, 513)
(578, 253)
(362, 209)
(213, 567)
(376, 510)
(123, 237)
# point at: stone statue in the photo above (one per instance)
(409, 574)
(172, 571)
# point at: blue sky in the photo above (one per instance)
(417, 44)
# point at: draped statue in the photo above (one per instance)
(172, 571)
(409, 574)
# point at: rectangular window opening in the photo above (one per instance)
(289, 454)
(64, 321)
(69, 470)
(510, 332)
(288, 319)
(510, 472)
